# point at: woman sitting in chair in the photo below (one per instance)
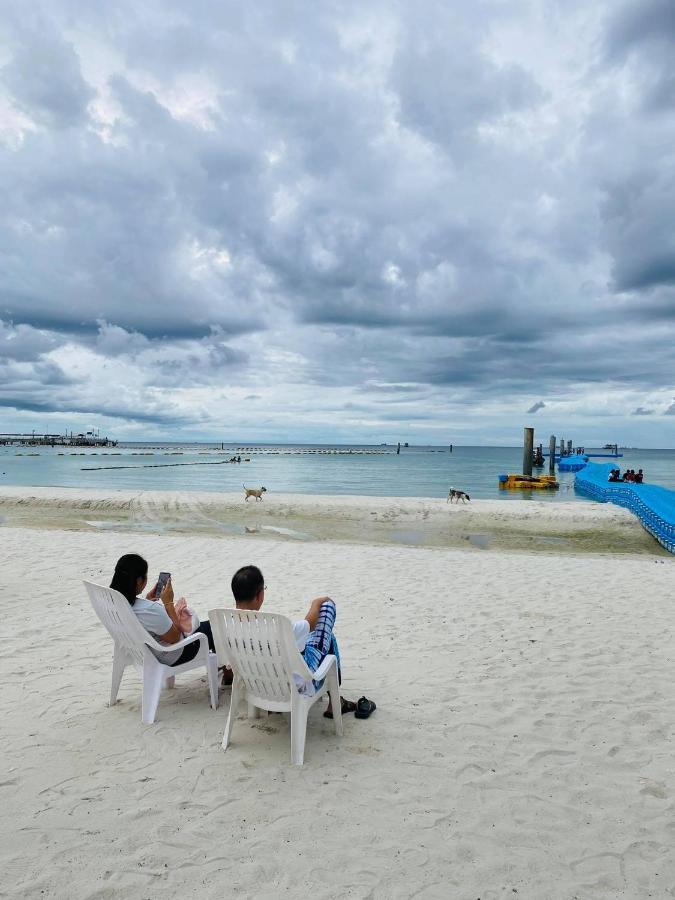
(167, 622)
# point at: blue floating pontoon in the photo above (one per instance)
(573, 463)
(652, 504)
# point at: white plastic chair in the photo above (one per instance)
(261, 650)
(134, 646)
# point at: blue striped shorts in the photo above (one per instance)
(321, 642)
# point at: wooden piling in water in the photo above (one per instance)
(551, 454)
(528, 450)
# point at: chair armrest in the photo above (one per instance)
(324, 668)
(190, 639)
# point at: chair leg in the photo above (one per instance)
(212, 674)
(153, 679)
(119, 665)
(299, 710)
(235, 697)
(254, 712)
(336, 705)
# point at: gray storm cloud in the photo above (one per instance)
(536, 407)
(45, 80)
(395, 209)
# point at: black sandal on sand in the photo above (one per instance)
(364, 708)
(346, 706)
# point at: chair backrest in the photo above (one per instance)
(261, 649)
(114, 611)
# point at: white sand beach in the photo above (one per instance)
(523, 744)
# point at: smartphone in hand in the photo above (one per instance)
(161, 583)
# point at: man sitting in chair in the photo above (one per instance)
(314, 636)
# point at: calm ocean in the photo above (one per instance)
(299, 469)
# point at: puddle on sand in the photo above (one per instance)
(227, 527)
(127, 526)
(230, 527)
(480, 540)
(287, 532)
(407, 537)
(265, 529)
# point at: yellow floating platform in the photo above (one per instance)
(528, 482)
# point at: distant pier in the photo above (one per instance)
(34, 439)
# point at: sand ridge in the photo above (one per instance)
(498, 525)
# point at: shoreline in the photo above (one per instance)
(531, 526)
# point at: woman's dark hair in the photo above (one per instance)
(128, 570)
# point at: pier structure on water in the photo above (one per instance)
(34, 439)
(581, 451)
(569, 458)
(652, 504)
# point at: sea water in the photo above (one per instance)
(300, 469)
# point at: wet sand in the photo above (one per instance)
(483, 525)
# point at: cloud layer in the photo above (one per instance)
(259, 221)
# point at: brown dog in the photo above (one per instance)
(457, 495)
(254, 492)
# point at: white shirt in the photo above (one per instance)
(156, 620)
(301, 633)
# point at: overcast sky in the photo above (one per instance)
(335, 221)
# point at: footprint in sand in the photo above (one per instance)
(471, 770)
(600, 865)
(655, 789)
(558, 756)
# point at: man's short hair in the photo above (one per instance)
(246, 582)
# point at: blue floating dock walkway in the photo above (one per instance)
(573, 463)
(652, 504)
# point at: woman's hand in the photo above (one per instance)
(184, 615)
(167, 594)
